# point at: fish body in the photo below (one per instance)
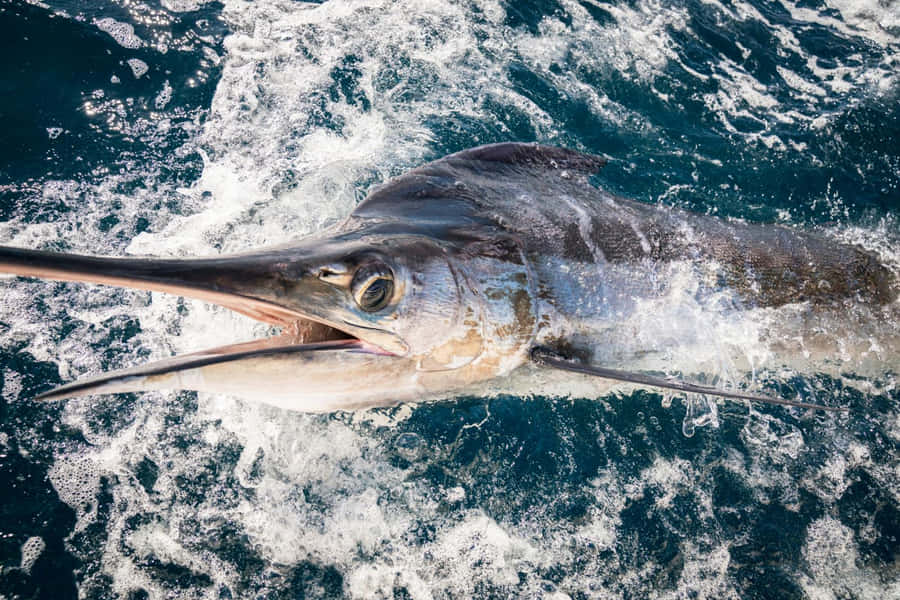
(447, 279)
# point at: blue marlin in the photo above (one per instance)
(504, 266)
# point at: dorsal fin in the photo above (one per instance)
(451, 189)
(532, 155)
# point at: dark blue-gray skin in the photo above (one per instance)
(502, 268)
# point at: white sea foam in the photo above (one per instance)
(878, 21)
(184, 5)
(123, 33)
(834, 565)
(740, 95)
(31, 551)
(138, 67)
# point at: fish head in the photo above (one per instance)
(366, 317)
(446, 305)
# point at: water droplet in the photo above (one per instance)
(687, 426)
(700, 410)
(705, 411)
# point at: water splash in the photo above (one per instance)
(700, 411)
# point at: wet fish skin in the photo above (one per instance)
(487, 254)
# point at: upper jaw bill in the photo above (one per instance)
(255, 285)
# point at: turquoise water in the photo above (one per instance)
(185, 127)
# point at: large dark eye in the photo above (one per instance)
(373, 286)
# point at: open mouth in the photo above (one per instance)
(301, 334)
(251, 285)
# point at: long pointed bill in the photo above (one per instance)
(236, 282)
(333, 375)
(320, 363)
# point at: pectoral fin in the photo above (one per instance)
(543, 356)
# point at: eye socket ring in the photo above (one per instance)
(372, 286)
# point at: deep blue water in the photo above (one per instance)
(247, 124)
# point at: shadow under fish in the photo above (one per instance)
(497, 264)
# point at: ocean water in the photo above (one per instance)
(189, 127)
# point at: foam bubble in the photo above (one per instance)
(77, 481)
(705, 574)
(123, 33)
(667, 476)
(184, 5)
(31, 551)
(878, 21)
(832, 557)
(138, 67)
(478, 548)
(164, 96)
